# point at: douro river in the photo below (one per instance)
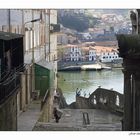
(88, 81)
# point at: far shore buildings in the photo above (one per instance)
(88, 52)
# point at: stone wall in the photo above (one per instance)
(8, 114)
(81, 103)
(100, 99)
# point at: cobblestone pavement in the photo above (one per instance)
(72, 120)
(28, 119)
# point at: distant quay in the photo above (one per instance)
(82, 67)
(87, 66)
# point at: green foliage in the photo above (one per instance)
(79, 22)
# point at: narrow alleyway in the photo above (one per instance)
(28, 119)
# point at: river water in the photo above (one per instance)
(89, 81)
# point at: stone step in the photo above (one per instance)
(72, 120)
(78, 128)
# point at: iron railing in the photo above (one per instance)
(45, 98)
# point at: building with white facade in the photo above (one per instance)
(89, 52)
(92, 54)
(72, 53)
(77, 53)
(107, 54)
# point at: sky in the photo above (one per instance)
(70, 4)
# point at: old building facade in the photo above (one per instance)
(39, 50)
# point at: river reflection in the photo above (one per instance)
(89, 81)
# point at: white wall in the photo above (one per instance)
(92, 55)
(75, 53)
(108, 56)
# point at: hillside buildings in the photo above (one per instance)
(89, 52)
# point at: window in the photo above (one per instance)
(117, 100)
(73, 49)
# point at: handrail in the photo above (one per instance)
(44, 99)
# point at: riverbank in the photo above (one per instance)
(73, 66)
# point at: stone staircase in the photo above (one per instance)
(73, 120)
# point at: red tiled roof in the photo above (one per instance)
(104, 49)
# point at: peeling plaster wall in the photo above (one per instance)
(8, 114)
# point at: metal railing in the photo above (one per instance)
(45, 98)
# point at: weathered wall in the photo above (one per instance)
(61, 100)
(81, 102)
(106, 99)
(28, 84)
(23, 91)
(8, 114)
(101, 99)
